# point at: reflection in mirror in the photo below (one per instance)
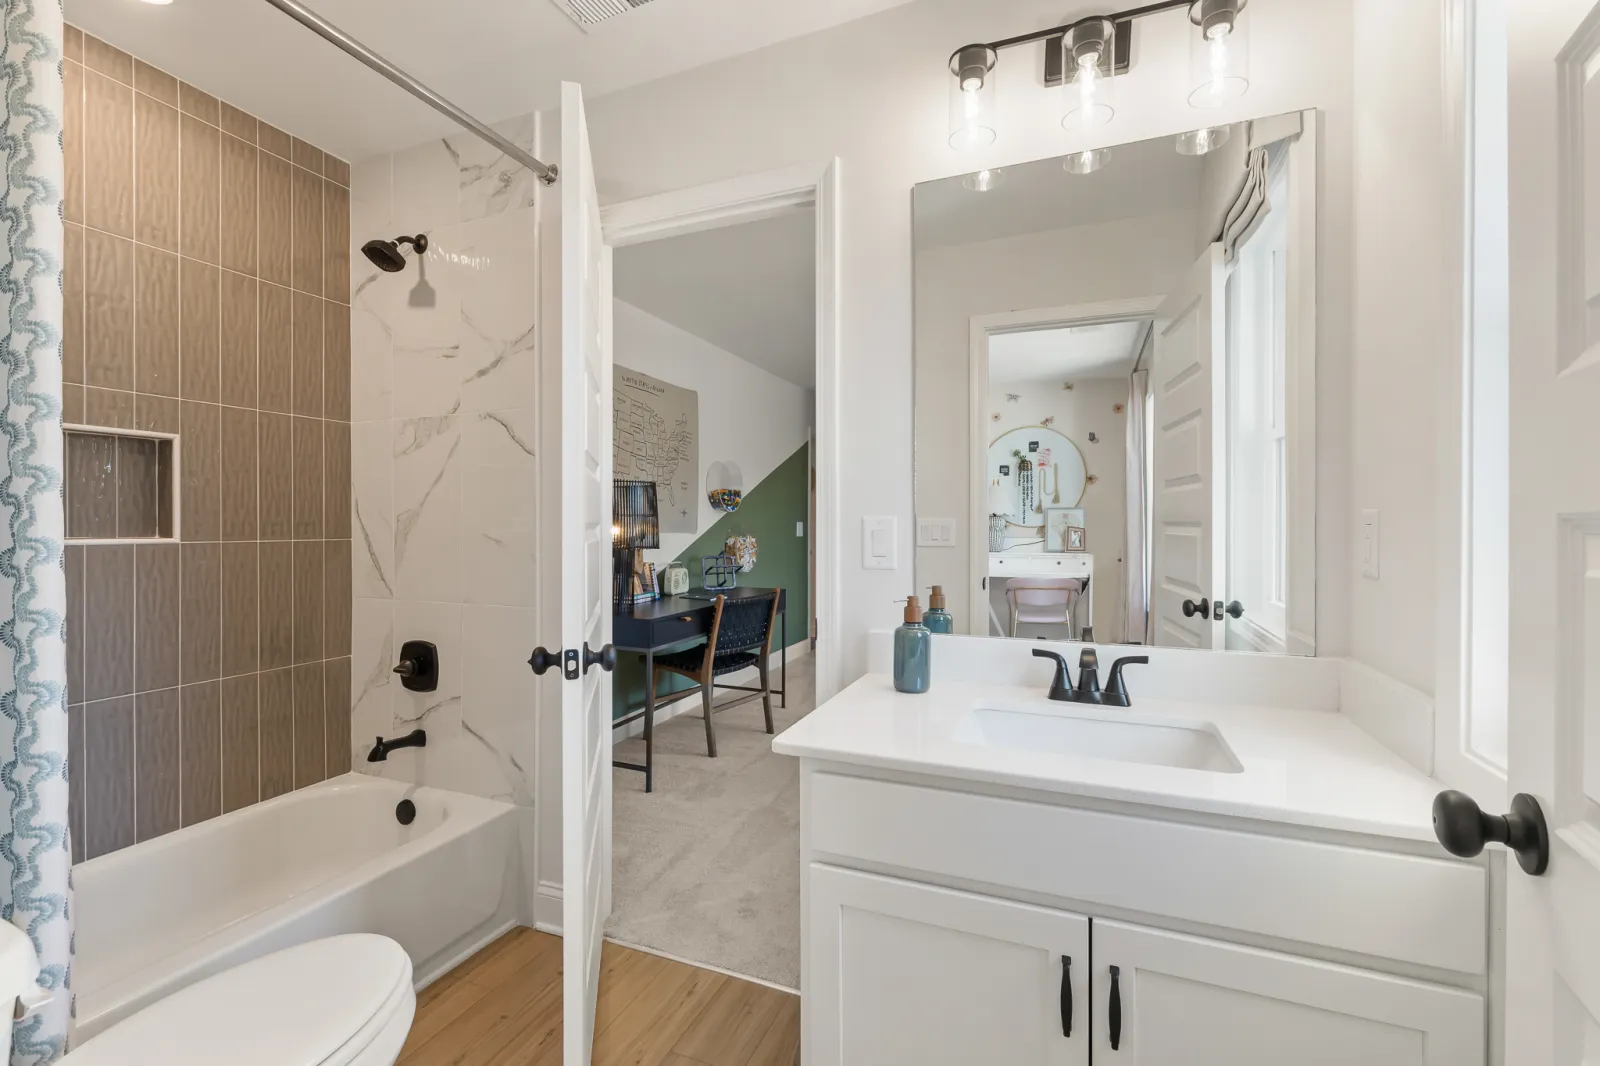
(1115, 392)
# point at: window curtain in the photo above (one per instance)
(1136, 574)
(35, 856)
(1249, 207)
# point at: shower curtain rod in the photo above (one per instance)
(342, 40)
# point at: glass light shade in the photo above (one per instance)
(1199, 142)
(1219, 52)
(972, 98)
(983, 180)
(1088, 74)
(1084, 162)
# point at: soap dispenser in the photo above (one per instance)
(912, 647)
(938, 620)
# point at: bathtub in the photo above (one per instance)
(327, 859)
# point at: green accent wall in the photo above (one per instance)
(769, 513)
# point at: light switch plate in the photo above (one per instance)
(878, 540)
(1370, 541)
(936, 532)
(799, 529)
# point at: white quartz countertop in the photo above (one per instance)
(1310, 768)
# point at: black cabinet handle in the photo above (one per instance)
(1114, 1010)
(1066, 995)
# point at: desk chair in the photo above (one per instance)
(1050, 601)
(741, 636)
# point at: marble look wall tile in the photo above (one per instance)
(493, 269)
(427, 509)
(427, 341)
(426, 183)
(439, 712)
(498, 692)
(499, 507)
(372, 494)
(373, 655)
(371, 366)
(491, 183)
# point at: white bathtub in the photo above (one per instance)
(328, 859)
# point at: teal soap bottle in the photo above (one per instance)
(913, 645)
(938, 620)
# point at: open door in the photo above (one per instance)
(1552, 925)
(1187, 502)
(585, 580)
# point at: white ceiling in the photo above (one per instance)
(1144, 178)
(749, 289)
(1108, 350)
(496, 58)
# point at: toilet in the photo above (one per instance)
(343, 1001)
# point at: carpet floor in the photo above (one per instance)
(707, 867)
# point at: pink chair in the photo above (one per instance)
(1047, 601)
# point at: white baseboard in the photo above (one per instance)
(547, 915)
(743, 677)
(1396, 715)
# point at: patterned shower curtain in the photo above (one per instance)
(35, 857)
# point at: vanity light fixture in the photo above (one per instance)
(1199, 142)
(1086, 57)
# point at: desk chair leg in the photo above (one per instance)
(711, 737)
(766, 691)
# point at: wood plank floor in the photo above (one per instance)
(502, 1007)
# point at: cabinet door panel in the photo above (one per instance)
(1187, 1001)
(902, 974)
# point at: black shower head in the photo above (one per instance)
(386, 255)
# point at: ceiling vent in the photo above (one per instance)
(593, 12)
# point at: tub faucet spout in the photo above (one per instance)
(380, 751)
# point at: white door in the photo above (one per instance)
(1164, 999)
(1186, 499)
(585, 579)
(912, 975)
(1553, 921)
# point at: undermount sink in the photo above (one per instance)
(1091, 736)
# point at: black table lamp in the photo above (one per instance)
(635, 525)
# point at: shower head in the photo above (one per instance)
(386, 255)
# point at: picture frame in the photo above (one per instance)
(1057, 520)
(1077, 539)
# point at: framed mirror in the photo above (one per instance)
(1116, 391)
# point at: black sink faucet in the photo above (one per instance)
(380, 751)
(1088, 688)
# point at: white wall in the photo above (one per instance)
(747, 416)
(1141, 257)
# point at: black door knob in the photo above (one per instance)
(606, 657)
(1464, 829)
(1191, 608)
(1234, 609)
(542, 660)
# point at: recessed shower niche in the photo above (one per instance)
(121, 485)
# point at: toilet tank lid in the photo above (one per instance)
(297, 1007)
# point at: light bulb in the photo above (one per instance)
(1086, 162)
(971, 85)
(983, 180)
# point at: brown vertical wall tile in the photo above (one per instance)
(240, 610)
(276, 466)
(155, 173)
(201, 467)
(108, 155)
(336, 715)
(201, 653)
(275, 141)
(241, 742)
(200, 331)
(114, 62)
(108, 743)
(72, 138)
(75, 622)
(156, 730)
(201, 105)
(202, 751)
(156, 83)
(77, 773)
(277, 604)
(336, 598)
(336, 170)
(72, 43)
(308, 478)
(112, 408)
(310, 726)
(109, 315)
(239, 492)
(336, 362)
(240, 124)
(156, 617)
(277, 732)
(239, 339)
(238, 209)
(276, 361)
(306, 155)
(73, 287)
(336, 242)
(72, 401)
(307, 358)
(156, 355)
(108, 620)
(306, 606)
(160, 414)
(138, 485)
(336, 472)
(276, 219)
(306, 197)
(91, 492)
(200, 163)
